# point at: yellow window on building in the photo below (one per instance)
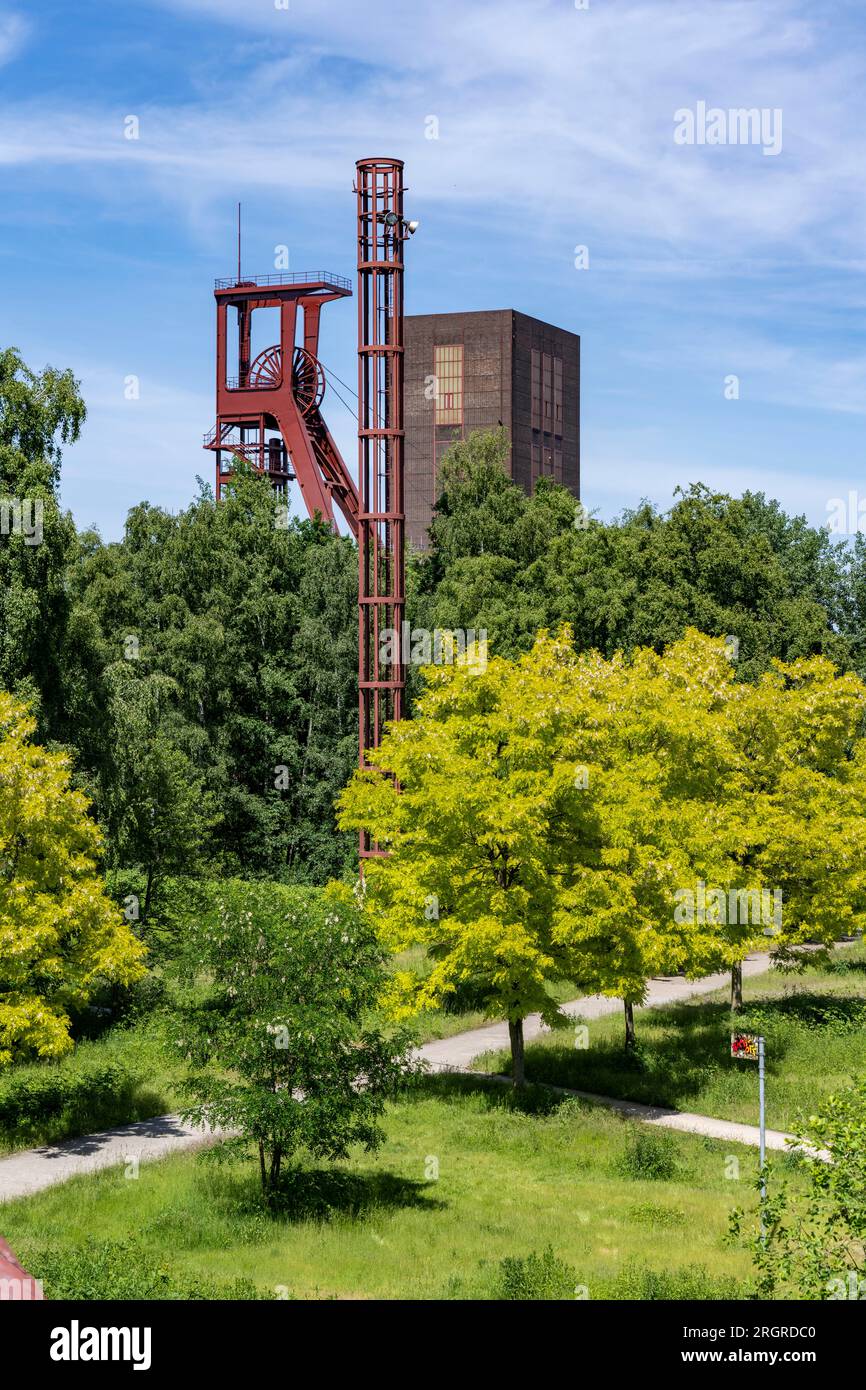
(448, 370)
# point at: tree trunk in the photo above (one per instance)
(737, 986)
(262, 1169)
(630, 1038)
(276, 1160)
(147, 893)
(518, 1063)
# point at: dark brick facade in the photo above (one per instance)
(516, 371)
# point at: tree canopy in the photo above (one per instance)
(545, 817)
(60, 935)
(727, 566)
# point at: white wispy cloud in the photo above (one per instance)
(14, 31)
(560, 118)
(555, 128)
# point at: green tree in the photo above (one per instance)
(787, 814)
(39, 412)
(253, 626)
(282, 1047)
(60, 936)
(537, 829)
(489, 547)
(811, 1243)
(513, 564)
(157, 809)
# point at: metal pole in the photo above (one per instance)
(763, 1130)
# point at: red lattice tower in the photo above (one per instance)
(382, 234)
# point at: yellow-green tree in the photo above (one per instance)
(60, 935)
(790, 814)
(659, 735)
(536, 834)
(568, 817)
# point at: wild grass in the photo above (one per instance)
(468, 1179)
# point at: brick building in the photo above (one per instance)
(475, 371)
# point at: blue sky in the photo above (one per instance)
(555, 130)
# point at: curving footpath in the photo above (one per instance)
(32, 1170)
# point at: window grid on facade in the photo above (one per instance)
(546, 392)
(536, 389)
(448, 371)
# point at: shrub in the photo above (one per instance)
(846, 965)
(108, 1269)
(536, 1277)
(62, 936)
(110, 1006)
(807, 1010)
(38, 1099)
(286, 1032)
(649, 1154)
(813, 1242)
(640, 1284)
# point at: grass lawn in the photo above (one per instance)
(511, 1181)
(815, 1030)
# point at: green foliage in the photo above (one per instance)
(791, 811)
(122, 1269)
(535, 1277)
(548, 810)
(280, 1045)
(649, 1155)
(128, 1072)
(220, 743)
(38, 413)
(61, 938)
(156, 806)
(37, 1101)
(690, 1283)
(512, 564)
(547, 818)
(812, 1245)
(836, 1014)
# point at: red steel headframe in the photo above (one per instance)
(268, 409)
(381, 521)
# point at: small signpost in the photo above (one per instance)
(749, 1047)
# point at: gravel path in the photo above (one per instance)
(461, 1050)
(31, 1170)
